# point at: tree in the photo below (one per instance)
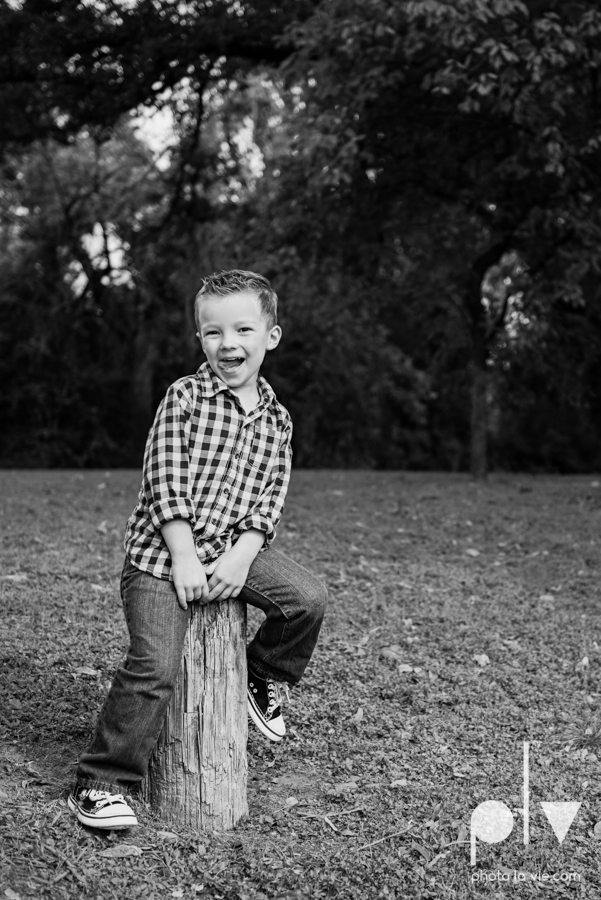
(461, 133)
(394, 165)
(69, 64)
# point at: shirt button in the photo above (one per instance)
(226, 491)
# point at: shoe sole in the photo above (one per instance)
(261, 724)
(116, 823)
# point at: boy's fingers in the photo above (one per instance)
(217, 590)
(181, 597)
(202, 592)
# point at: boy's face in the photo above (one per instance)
(235, 337)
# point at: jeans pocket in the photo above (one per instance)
(129, 573)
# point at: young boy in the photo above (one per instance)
(216, 472)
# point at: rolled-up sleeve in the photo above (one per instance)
(267, 511)
(167, 479)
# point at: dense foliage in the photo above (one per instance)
(420, 180)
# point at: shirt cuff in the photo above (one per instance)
(261, 523)
(162, 511)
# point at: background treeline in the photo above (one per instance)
(420, 180)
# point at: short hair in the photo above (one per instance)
(221, 284)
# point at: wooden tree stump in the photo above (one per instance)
(198, 770)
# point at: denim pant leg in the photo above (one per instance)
(131, 718)
(294, 603)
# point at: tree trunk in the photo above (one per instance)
(479, 421)
(198, 770)
(479, 373)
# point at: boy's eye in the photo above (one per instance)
(245, 328)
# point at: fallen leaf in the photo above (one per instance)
(403, 668)
(597, 831)
(348, 833)
(98, 587)
(342, 787)
(16, 578)
(120, 851)
(102, 528)
(11, 895)
(512, 645)
(86, 670)
(423, 851)
(358, 716)
(291, 801)
(481, 658)
(394, 652)
(471, 551)
(463, 833)
(400, 782)
(167, 835)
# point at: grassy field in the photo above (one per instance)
(463, 621)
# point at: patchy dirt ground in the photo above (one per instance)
(464, 621)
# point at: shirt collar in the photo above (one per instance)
(211, 384)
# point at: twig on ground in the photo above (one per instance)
(346, 812)
(387, 837)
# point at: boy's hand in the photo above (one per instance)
(228, 575)
(189, 580)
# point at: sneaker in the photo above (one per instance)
(101, 809)
(264, 705)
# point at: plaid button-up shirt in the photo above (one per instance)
(208, 461)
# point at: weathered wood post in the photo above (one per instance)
(198, 770)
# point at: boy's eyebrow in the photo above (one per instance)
(239, 322)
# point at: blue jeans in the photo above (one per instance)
(132, 716)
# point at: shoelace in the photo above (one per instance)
(104, 796)
(274, 695)
(275, 689)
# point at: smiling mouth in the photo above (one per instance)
(230, 363)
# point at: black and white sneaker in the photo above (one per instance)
(264, 705)
(101, 809)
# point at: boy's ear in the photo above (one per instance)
(274, 337)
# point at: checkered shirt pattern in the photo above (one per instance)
(208, 461)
